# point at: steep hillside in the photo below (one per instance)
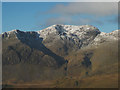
(60, 56)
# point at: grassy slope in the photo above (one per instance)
(102, 73)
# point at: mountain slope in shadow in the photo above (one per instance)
(37, 44)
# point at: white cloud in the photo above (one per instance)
(59, 20)
(66, 13)
(96, 8)
(70, 20)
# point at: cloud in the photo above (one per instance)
(58, 20)
(71, 20)
(96, 8)
(79, 13)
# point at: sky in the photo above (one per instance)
(34, 16)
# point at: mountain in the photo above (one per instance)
(60, 56)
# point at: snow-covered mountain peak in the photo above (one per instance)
(79, 35)
(106, 37)
(13, 31)
(72, 27)
(68, 30)
(10, 33)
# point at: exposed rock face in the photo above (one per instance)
(106, 37)
(77, 35)
(62, 39)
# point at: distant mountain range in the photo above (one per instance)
(60, 56)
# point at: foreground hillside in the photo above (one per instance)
(60, 56)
